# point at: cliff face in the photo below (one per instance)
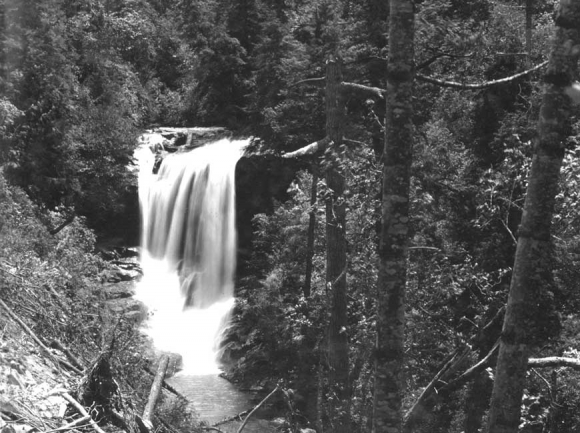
(261, 181)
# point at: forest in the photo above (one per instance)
(423, 273)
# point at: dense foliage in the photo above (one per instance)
(79, 79)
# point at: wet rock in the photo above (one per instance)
(129, 308)
(121, 290)
(117, 274)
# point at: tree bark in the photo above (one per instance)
(336, 253)
(531, 267)
(529, 11)
(311, 232)
(476, 403)
(389, 380)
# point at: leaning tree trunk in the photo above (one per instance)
(531, 267)
(336, 254)
(389, 381)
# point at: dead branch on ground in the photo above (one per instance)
(45, 349)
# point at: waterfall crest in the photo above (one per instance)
(189, 248)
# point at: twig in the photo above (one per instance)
(257, 407)
(424, 248)
(348, 140)
(237, 417)
(515, 241)
(546, 382)
(318, 82)
(70, 425)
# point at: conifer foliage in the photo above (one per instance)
(427, 244)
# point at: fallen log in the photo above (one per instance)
(145, 421)
(166, 386)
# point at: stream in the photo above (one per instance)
(215, 399)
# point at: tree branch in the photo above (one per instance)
(79, 409)
(554, 361)
(478, 86)
(309, 149)
(257, 407)
(65, 223)
(362, 90)
(318, 82)
(429, 388)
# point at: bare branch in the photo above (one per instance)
(348, 140)
(70, 426)
(318, 82)
(81, 410)
(430, 388)
(32, 335)
(257, 407)
(309, 149)
(554, 361)
(478, 86)
(362, 90)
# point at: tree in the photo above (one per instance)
(389, 381)
(532, 272)
(336, 264)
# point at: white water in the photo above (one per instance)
(189, 248)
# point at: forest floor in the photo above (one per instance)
(31, 383)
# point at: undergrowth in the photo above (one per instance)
(52, 283)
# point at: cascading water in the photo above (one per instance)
(188, 248)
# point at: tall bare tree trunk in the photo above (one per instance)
(389, 380)
(336, 254)
(531, 267)
(311, 232)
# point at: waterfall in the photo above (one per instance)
(188, 248)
